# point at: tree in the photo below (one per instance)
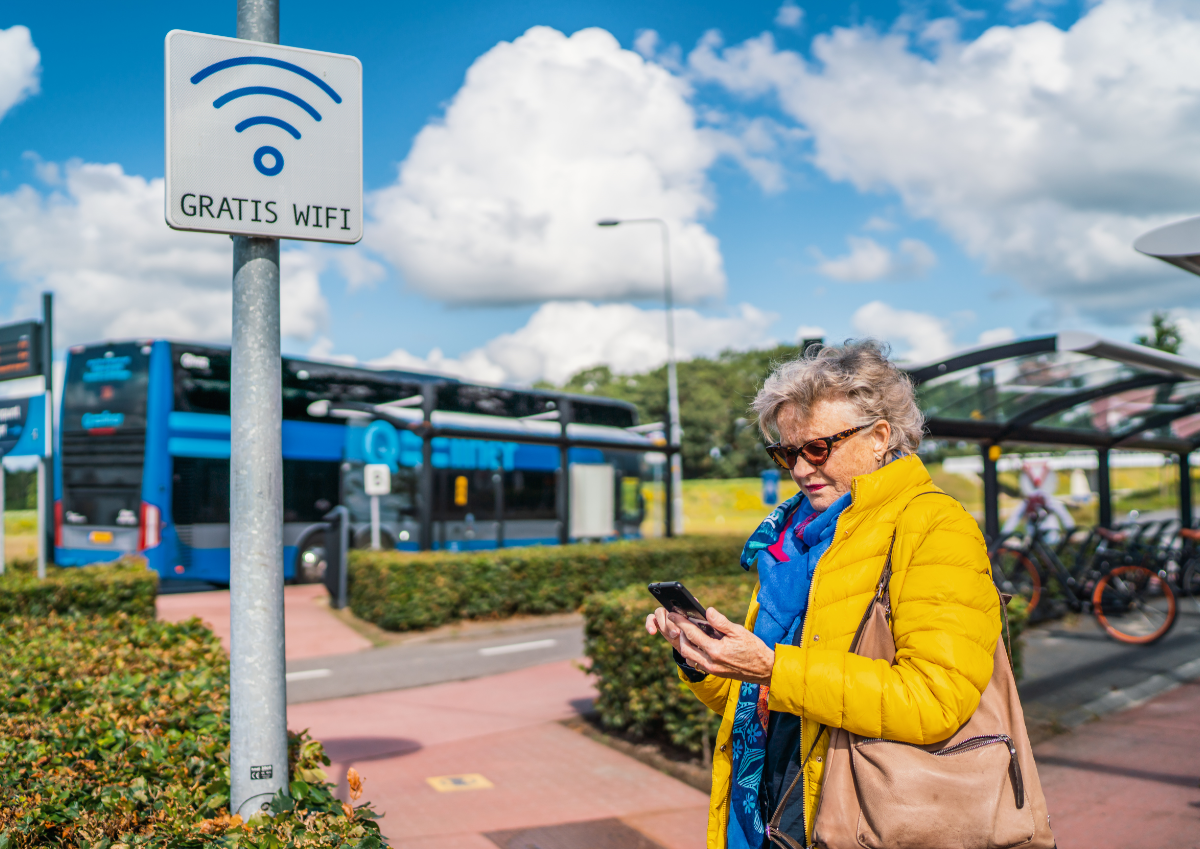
(720, 438)
(1167, 336)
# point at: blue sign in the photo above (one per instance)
(381, 444)
(23, 426)
(107, 370)
(770, 484)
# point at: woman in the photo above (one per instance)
(848, 427)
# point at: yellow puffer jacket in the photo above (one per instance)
(945, 621)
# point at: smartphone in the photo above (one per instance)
(675, 597)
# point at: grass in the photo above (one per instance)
(735, 506)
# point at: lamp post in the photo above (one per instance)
(674, 482)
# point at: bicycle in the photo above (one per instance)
(1132, 603)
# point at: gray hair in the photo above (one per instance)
(858, 371)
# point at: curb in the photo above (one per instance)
(1131, 697)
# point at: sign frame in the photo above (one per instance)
(211, 150)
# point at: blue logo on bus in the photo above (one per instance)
(107, 370)
(267, 151)
(381, 444)
(96, 421)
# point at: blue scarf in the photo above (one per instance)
(784, 582)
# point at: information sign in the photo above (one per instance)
(263, 140)
(20, 350)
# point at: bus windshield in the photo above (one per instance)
(105, 390)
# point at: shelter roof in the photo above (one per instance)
(1070, 388)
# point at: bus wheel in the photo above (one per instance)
(312, 560)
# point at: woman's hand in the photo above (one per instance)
(659, 623)
(739, 654)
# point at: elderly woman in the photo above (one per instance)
(848, 427)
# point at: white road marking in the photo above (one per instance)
(308, 674)
(513, 648)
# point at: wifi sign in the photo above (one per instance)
(263, 140)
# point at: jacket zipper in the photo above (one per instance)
(971, 744)
(803, 626)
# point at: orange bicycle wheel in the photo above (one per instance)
(1134, 605)
(1015, 574)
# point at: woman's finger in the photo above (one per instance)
(651, 624)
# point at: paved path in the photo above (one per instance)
(1129, 780)
(504, 728)
(310, 628)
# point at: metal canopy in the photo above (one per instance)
(1067, 389)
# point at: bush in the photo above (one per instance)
(126, 586)
(115, 733)
(640, 692)
(402, 592)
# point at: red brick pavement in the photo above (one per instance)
(1130, 780)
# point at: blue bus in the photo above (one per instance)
(142, 464)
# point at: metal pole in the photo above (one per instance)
(1104, 488)
(376, 543)
(674, 422)
(1185, 490)
(564, 476)
(498, 496)
(991, 493)
(428, 403)
(41, 517)
(46, 495)
(258, 761)
(3, 551)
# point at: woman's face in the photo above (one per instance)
(860, 454)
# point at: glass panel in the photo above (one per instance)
(1001, 391)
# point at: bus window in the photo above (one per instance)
(310, 489)
(200, 495)
(530, 495)
(105, 389)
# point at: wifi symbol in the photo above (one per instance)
(267, 150)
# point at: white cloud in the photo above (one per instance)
(879, 224)
(498, 200)
(918, 336)
(19, 67)
(1044, 152)
(809, 331)
(789, 15)
(997, 335)
(101, 245)
(869, 260)
(565, 337)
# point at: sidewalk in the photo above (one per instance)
(1129, 780)
(310, 628)
(535, 773)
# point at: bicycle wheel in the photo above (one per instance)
(1134, 605)
(1015, 574)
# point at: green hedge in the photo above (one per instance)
(403, 592)
(636, 675)
(640, 692)
(125, 586)
(115, 733)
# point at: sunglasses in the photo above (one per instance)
(815, 453)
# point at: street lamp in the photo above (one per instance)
(674, 482)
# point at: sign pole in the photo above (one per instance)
(3, 550)
(46, 475)
(258, 696)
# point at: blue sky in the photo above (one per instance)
(925, 172)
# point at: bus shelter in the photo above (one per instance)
(1074, 390)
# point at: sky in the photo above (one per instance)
(935, 174)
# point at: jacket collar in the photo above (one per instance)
(885, 485)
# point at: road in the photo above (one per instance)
(1069, 663)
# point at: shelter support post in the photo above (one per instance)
(991, 492)
(669, 495)
(564, 478)
(498, 495)
(1185, 490)
(1104, 489)
(428, 403)
(3, 542)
